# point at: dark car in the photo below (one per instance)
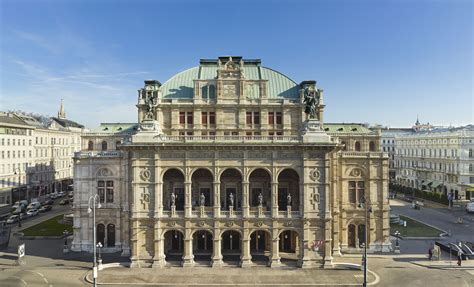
(64, 201)
(48, 202)
(45, 208)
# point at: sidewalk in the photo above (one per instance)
(446, 264)
(206, 276)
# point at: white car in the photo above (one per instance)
(470, 207)
(32, 212)
(12, 219)
(34, 205)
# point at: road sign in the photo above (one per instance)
(21, 250)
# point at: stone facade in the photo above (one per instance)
(233, 162)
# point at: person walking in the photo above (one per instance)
(430, 253)
(459, 258)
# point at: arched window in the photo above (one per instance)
(110, 235)
(357, 146)
(351, 236)
(90, 145)
(204, 94)
(372, 146)
(117, 143)
(208, 92)
(100, 234)
(104, 145)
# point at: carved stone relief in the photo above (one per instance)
(314, 198)
(145, 174)
(314, 174)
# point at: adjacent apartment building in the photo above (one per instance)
(231, 161)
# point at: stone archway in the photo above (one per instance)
(173, 182)
(260, 183)
(231, 246)
(202, 188)
(202, 246)
(231, 186)
(260, 247)
(174, 247)
(289, 246)
(288, 184)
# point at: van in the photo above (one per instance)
(34, 205)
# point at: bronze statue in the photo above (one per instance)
(311, 101)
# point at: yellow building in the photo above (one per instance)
(232, 164)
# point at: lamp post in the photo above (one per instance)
(397, 243)
(364, 202)
(99, 260)
(95, 201)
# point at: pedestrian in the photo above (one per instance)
(430, 253)
(459, 258)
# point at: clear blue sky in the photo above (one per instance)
(378, 61)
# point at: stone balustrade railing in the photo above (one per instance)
(88, 154)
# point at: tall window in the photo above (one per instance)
(90, 145)
(372, 146)
(271, 118)
(208, 92)
(279, 118)
(252, 118)
(356, 191)
(208, 118)
(248, 118)
(470, 152)
(105, 190)
(190, 118)
(256, 118)
(357, 146)
(182, 118)
(204, 118)
(104, 145)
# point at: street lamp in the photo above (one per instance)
(397, 243)
(95, 201)
(99, 245)
(364, 202)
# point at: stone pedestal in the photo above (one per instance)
(288, 211)
(231, 211)
(313, 133)
(260, 211)
(202, 211)
(173, 211)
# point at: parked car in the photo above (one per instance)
(53, 195)
(17, 211)
(470, 207)
(47, 202)
(32, 212)
(45, 208)
(34, 205)
(61, 194)
(64, 201)
(13, 219)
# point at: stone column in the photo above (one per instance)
(327, 216)
(158, 199)
(187, 199)
(217, 199)
(134, 245)
(159, 256)
(275, 257)
(245, 257)
(274, 199)
(188, 257)
(216, 253)
(245, 199)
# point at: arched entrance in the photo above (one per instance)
(260, 183)
(202, 181)
(351, 236)
(202, 246)
(289, 246)
(173, 181)
(100, 234)
(260, 246)
(231, 246)
(173, 246)
(231, 189)
(288, 184)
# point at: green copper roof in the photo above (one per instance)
(115, 128)
(181, 85)
(346, 128)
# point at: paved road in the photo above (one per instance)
(440, 217)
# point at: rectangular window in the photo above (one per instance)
(212, 118)
(256, 118)
(204, 118)
(190, 118)
(271, 118)
(278, 118)
(110, 191)
(352, 192)
(101, 190)
(248, 118)
(182, 118)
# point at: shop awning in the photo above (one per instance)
(435, 184)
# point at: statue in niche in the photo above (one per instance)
(203, 200)
(311, 101)
(231, 199)
(150, 105)
(260, 199)
(288, 199)
(173, 199)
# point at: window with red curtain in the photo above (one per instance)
(182, 118)
(248, 118)
(204, 118)
(271, 118)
